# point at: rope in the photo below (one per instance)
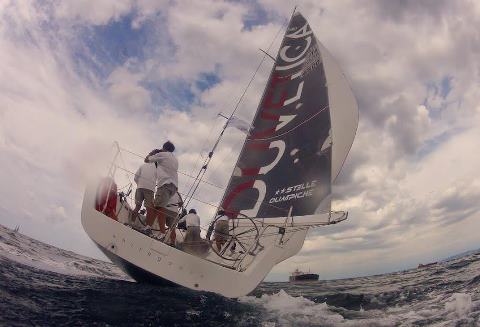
(195, 166)
(204, 202)
(214, 166)
(202, 172)
(291, 129)
(239, 237)
(207, 160)
(124, 165)
(178, 171)
(195, 180)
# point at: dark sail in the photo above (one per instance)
(286, 160)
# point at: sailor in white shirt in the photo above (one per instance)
(193, 242)
(145, 177)
(167, 181)
(192, 221)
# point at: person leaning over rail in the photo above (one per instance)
(146, 178)
(167, 183)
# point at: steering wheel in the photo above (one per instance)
(237, 239)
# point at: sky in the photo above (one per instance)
(77, 75)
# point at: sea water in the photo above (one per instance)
(41, 285)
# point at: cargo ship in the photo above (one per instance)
(299, 276)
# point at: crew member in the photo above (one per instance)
(193, 242)
(192, 222)
(145, 177)
(221, 230)
(167, 182)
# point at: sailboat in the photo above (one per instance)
(281, 185)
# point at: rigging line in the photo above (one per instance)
(258, 68)
(237, 105)
(196, 199)
(269, 234)
(123, 162)
(255, 116)
(124, 187)
(292, 129)
(196, 177)
(206, 182)
(202, 201)
(229, 155)
(202, 171)
(199, 157)
(256, 71)
(290, 229)
(284, 210)
(210, 204)
(195, 185)
(178, 171)
(196, 162)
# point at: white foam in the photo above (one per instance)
(460, 305)
(291, 311)
(285, 310)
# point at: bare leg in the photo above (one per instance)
(135, 212)
(151, 215)
(173, 235)
(161, 219)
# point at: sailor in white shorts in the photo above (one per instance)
(167, 181)
(145, 177)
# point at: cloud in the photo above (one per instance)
(93, 12)
(400, 10)
(102, 12)
(457, 202)
(125, 90)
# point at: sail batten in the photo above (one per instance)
(289, 158)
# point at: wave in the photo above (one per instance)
(28, 251)
(282, 309)
(44, 285)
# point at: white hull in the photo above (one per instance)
(139, 254)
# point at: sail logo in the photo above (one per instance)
(302, 33)
(284, 91)
(294, 192)
(312, 60)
